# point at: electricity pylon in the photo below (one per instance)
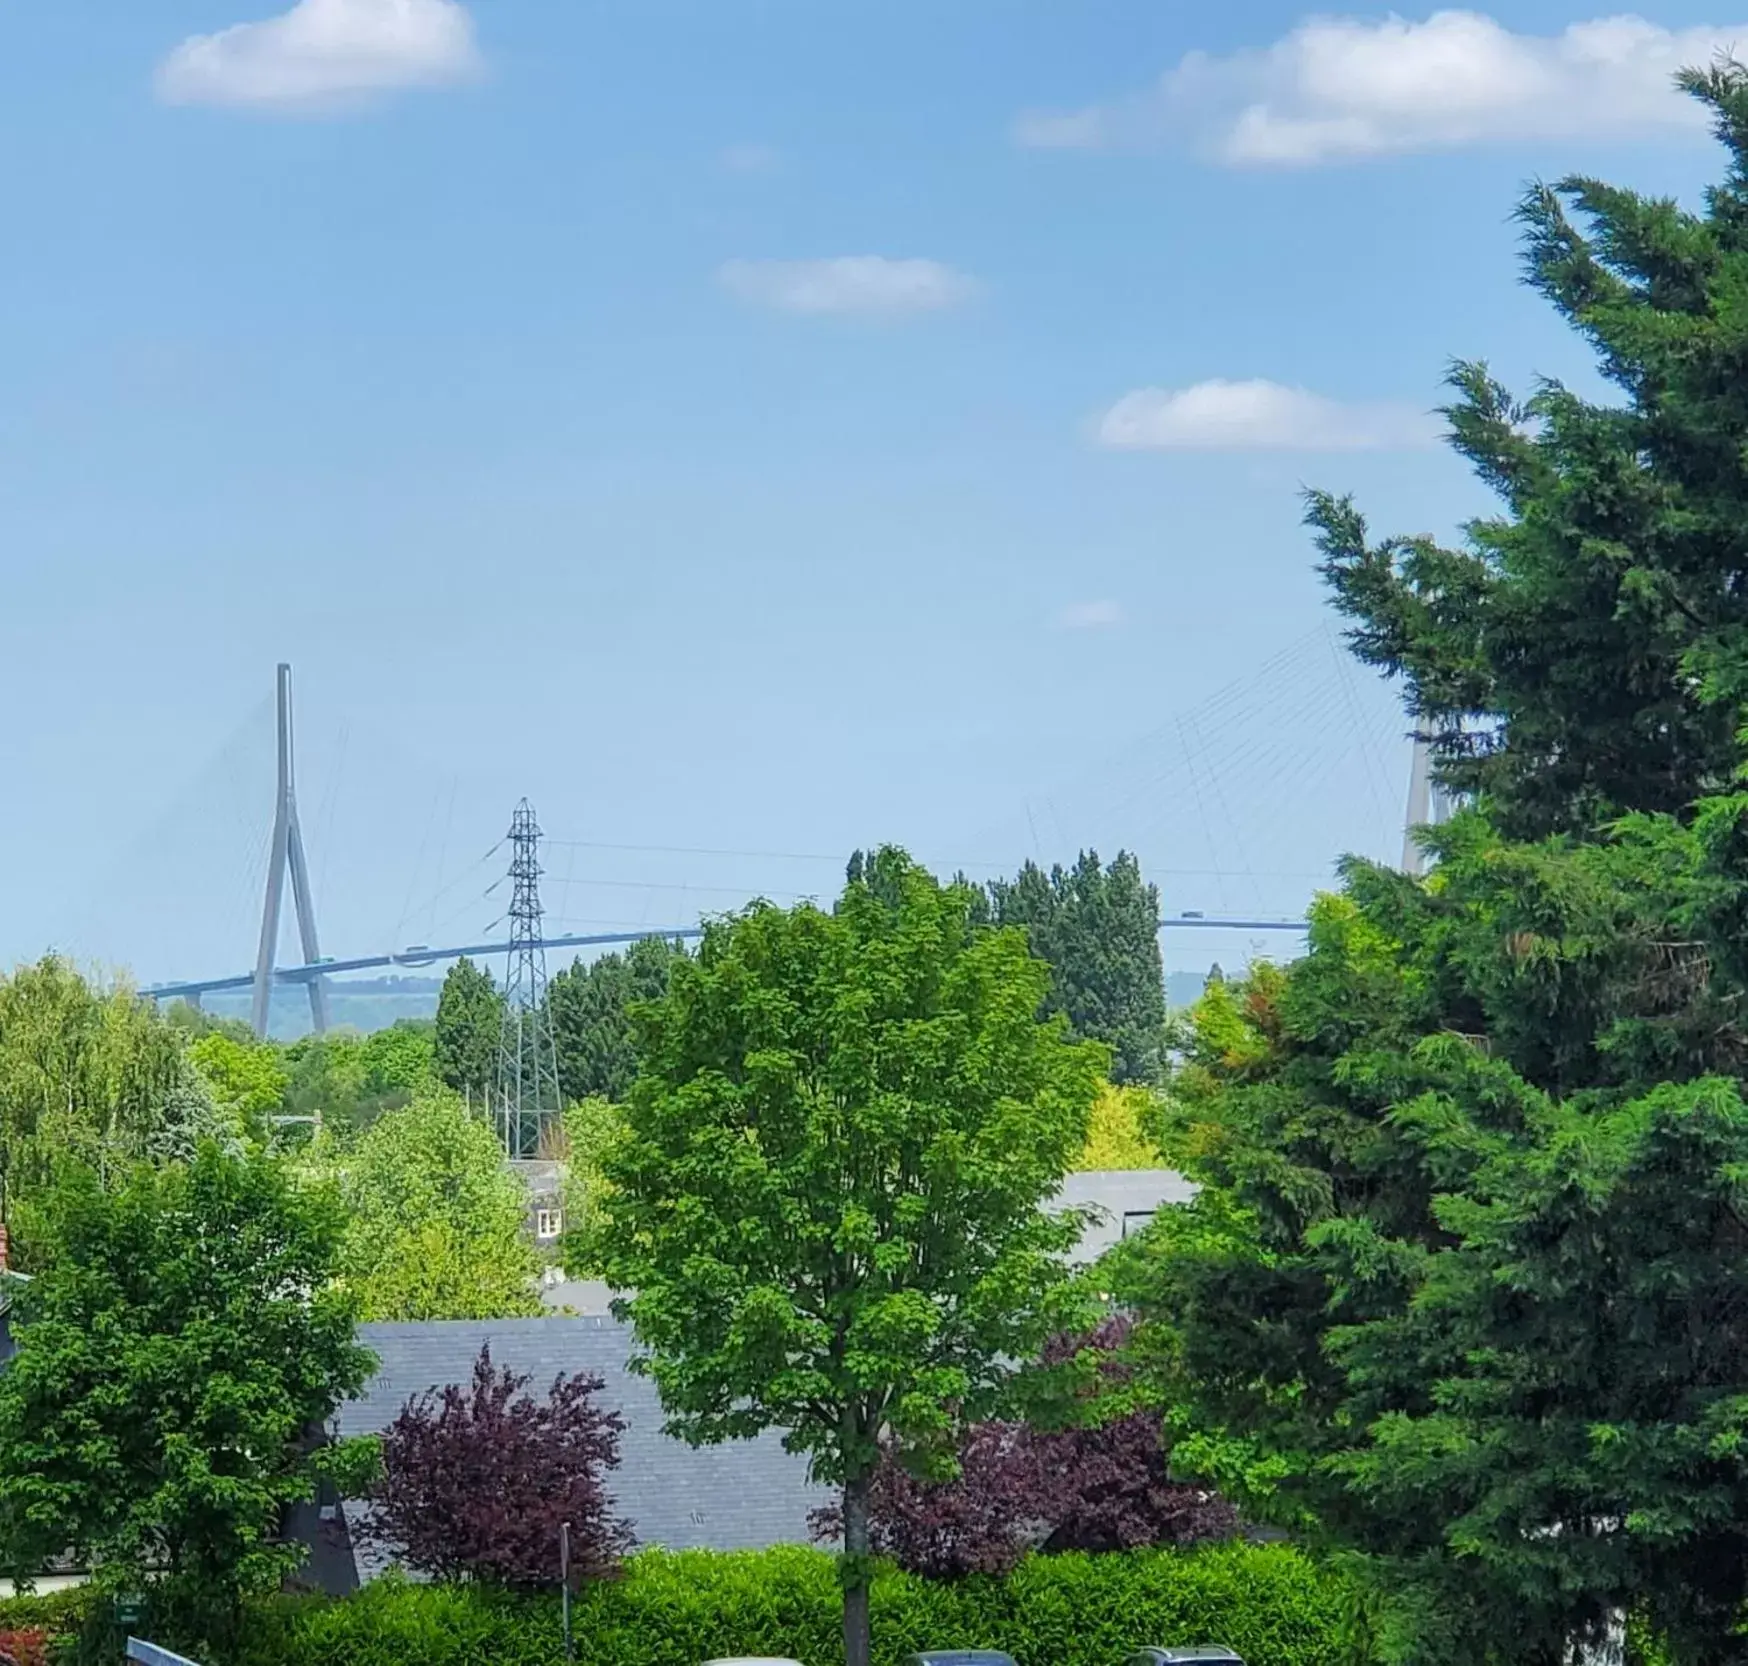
(287, 854)
(526, 1093)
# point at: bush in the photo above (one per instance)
(24, 1648)
(677, 1609)
(476, 1482)
(57, 1611)
(1102, 1482)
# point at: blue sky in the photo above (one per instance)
(746, 428)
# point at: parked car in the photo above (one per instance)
(1202, 1654)
(752, 1660)
(960, 1657)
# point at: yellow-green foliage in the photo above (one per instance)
(437, 1227)
(89, 1075)
(247, 1079)
(589, 1126)
(1116, 1131)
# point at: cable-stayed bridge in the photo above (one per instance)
(1255, 728)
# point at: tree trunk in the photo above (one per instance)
(857, 1645)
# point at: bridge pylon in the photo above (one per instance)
(287, 856)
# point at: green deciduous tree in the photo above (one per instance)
(470, 1018)
(88, 1076)
(590, 1125)
(176, 1349)
(400, 1059)
(828, 1194)
(248, 1079)
(591, 1016)
(349, 1079)
(436, 1225)
(1098, 927)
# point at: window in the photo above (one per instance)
(1135, 1219)
(548, 1223)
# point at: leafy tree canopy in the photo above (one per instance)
(182, 1338)
(436, 1223)
(828, 1196)
(89, 1077)
(1098, 927)
(591, 1016)
(248, 1079)
(470, 1019)
(1461, 1293)
(1591, 641)
(350, 1079)
(1117, 1136)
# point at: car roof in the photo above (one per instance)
(752, 1660)
(962, 1657)
(1200, 1651)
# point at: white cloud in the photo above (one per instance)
(850, 284)
(1336, 88)
(322, 54)
(1090, 616)
(1257, 416)
(749, 159)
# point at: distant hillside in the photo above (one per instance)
(364, 1004)
(369, 1004)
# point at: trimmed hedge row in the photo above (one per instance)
(1271, 1604)
(55, 1612)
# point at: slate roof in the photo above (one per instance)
(1124, 1199)
(742, 1495)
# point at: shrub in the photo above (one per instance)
(55, 1611)
(1272, 1604)
(1103, 1483)
(476, 1482)
(28, 1647)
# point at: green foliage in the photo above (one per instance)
(248, 1079)
(181, 1341)
(1098, 928)
(589, 1127)
(56, 1612)
(89, 1077)
(402, 1058)
(350, 1080)
(1272, 1605)
(1458, 1293)
(1117, 1136)
(470, 1018)
(435, 1220)
(1600, 618)
(828, 1194)
(591, 1007)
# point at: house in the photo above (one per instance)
(543, 1180)
(742, 1495)
(1123, 1202)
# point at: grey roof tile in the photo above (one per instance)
(742, 1495)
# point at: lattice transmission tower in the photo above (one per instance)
(525, 1094)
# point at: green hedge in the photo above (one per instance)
(58, 1611)
(1270, 1604)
